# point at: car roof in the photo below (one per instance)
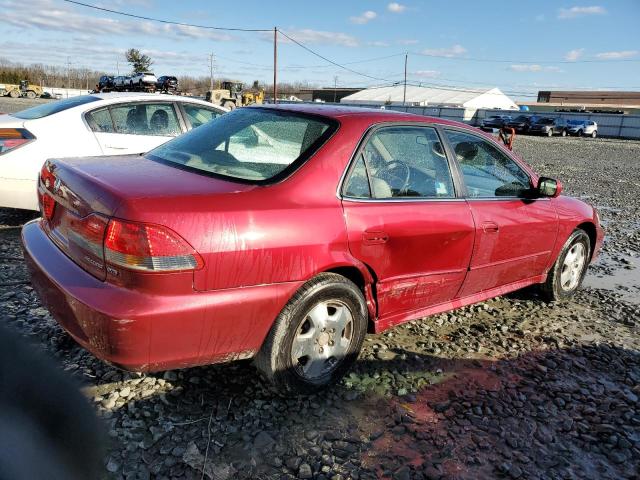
(116, 97)
(340, 112)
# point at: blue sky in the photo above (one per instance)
(544, 43)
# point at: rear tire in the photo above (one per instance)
(317, 336)
(580, 133)
(31, 94)
(14, 93)
(568, 271)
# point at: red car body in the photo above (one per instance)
(259, 243)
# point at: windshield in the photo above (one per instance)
(521, 118)
(255, 145)
(50, 108)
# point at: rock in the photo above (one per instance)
(385, 355)
(305, 471)
(263, 440)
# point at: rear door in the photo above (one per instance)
(404, 220)
(135, 127)
(514, 234)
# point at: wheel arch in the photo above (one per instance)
(590, 229)
(364, 278)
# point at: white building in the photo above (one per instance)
(468, 99)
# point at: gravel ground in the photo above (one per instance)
(510, 388)
(12, 105)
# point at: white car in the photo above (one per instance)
(89, 125)
(121, 81)
(143, 80)
(583, 128)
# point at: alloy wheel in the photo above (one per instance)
(322, 339)
(573, 267)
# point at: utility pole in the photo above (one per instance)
(118, 66)
(275, 64)
(211, 71)
(335, 88)
(404, 95)
(68, 74)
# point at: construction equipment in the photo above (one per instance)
(233, 94)
(24, 89)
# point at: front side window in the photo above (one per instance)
(249, 144)
(487, 171)
(403, 162)
(199, 115)
(156, 119)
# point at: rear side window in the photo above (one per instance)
(402, 162)
(157, 119)
(198, 115)
(52, 107)
(255, 145)
(100, 121)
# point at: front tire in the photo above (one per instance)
(317, 336)
(550, 133)
(580, 133)
(568, 271)
(564, 133)
(594, 134)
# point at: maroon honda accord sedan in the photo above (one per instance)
(285, 233)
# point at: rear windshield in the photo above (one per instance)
(254, 145)
(545, 121)
(56, 106)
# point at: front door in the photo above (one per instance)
(514, 234)
(404, 220)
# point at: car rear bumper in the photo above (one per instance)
(19, 193)
(145, 331)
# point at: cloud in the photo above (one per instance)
(408, 41)
(617, 55)
(366, 17)
(307, 35)
(396, 7)
(427, 73)
(378, 43)
(533, 68)
(573, 12)
(454, 51)
(573, 55)
(51, 16)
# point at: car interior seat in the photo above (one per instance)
(159, 123)
(136, 121)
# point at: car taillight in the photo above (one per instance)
(147, 247)
(47, 203)
(11, 138)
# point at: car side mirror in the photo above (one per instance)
(549, 187)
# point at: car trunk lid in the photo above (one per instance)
(79, 196)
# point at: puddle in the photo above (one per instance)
(622, 278)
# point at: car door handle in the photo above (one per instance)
(490, 227)
(115, 148)
(370, 237)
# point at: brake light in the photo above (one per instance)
(11, 138)
(48, 205)
(147, 247)
(47, 177)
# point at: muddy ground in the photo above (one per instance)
(510, 388)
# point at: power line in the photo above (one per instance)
(330, 61)
(169, 22)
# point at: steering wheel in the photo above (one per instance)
(396, 174)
